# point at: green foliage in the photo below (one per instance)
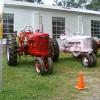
(94, 6)
(70, 3)
(82, 2)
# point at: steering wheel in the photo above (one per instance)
(28, 29)
(66, 32)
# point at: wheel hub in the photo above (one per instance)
(85, 61)
(37, 67)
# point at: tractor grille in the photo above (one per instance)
(41, 45)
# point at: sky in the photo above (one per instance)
(48, 1)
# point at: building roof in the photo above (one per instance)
(43, 6)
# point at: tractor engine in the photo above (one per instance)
(36, 44)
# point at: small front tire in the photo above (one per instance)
(39, 65)
(86, 59)
(94, 59)
(50, 65)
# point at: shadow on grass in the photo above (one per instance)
(29, 61)
(98, 55)
(25, 63)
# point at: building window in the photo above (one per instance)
(95, 28)
(8, 24)
(58, 26)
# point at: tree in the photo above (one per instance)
(64, 3)
(39, 1)
(30, 0)
(94, 5)
(72, 3)
(57, 3)
(82, 1)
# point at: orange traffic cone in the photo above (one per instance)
(80, 84)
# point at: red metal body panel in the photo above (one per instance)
(36, 44)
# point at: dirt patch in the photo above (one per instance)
(92, 91)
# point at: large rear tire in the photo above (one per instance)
(11, 51)
(94, 47)
(54, 49)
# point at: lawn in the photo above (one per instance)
(23, 83)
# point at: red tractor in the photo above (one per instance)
(36, 44)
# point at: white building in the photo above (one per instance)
(50, 19)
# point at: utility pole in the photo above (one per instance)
(1, 32)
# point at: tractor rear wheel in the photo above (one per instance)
(94, 47)
(39, 65)
(54, 49)
(11, 51)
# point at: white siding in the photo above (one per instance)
(22, 17)
(31, 17)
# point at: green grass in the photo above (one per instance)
(21, 82)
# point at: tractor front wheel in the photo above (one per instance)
(11, 51)
(94, 59)
(39, 65)
(49, 65)
(88, 60)
(43, 65)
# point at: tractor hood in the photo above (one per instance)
(78, 38)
